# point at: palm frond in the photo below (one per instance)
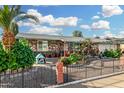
(15, 28)
(5, 17)
(26, 16)
(10, 15)
(23, 17)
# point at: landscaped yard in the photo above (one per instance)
(17, 59)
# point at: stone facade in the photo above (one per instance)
(53, 45)
(33, 44)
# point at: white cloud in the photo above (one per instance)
(109, 34)
(95, 17)
(100, 25)
(34, 12)
(49, 19)
(65, 21)
(110, 10)
(60, 21)
(121, 34)
(28, 23)
(85, 27)
(44, 30)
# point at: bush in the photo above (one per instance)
(65, 61)
(24, 41)
(74, 57)
(112, 53)
(19, 56)
(3, 59)
(23, 54)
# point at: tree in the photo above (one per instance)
(77, 33)
(9, 16)
(89, 48)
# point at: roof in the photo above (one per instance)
(49, 37)
(56, 37)
(39, 56)
(99, 40)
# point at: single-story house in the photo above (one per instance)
(42, 42)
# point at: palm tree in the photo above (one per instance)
(9, 16)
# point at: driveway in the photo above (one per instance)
(109, 82)
(52, 60)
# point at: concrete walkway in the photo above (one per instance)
(109, 82)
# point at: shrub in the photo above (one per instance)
(112, 53)
(19, 56)
(12, 64)
(23, 54)
(23, 41)
(74, 57)
(3, 59)
(65, 61)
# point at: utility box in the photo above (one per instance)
(40, 59)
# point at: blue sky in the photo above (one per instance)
(92, 20)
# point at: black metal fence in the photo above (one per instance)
(95, 68)
(45, 75)
(35, 77)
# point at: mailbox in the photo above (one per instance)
(40, 59)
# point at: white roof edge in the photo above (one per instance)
(49, 37)
(57, 37)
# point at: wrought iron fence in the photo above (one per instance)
(94, 68)
(45, 75)
(35, 77)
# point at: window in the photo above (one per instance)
(40, 45)
(43, 46)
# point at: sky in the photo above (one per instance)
(91, 20)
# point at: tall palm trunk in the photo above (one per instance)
(8, 39)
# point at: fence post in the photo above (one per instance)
(22, 77)
(67, 73)
(59, 72)
(0, 80)
(86, 71)
(113, 65)
(101, 67)
(121, 63)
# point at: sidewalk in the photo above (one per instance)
(109, 82)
